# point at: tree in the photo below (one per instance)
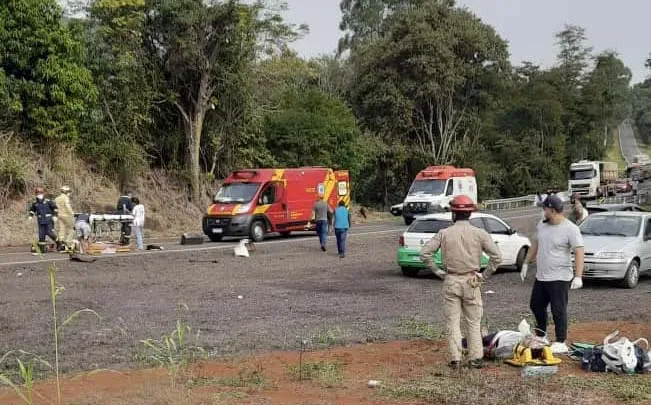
(46, 82)
(574, 55)
(313, 128)
(194, 45)
(119, 136)
(362, 20)
(425, 80)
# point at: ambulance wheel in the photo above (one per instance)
(215, 238)
(257, 231)
(410, 271)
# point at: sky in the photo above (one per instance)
(529, 27)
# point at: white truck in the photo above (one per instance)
(592, 179)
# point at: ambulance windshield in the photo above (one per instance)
(236, 193)
(432, 187)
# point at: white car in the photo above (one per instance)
(513, 246)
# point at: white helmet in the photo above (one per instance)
(65, 189)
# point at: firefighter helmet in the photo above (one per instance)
(65, 189)
(462, 203)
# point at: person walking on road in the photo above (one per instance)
(461, 246)
(138, 221)
(579, 213)
(342, 225)
(322, 215)
(555, 276)
(66, 219)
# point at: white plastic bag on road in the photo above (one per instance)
(241, 250)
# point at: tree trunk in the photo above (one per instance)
(194, 148)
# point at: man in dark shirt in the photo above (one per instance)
(46, 212)
(125, 206)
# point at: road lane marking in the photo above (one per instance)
(197, 249)
(230, 246)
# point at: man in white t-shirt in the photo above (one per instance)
(555, 276)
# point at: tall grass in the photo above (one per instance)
(173, 350)
(25, 370)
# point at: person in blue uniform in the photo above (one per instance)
(45, 211)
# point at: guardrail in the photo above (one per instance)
(527, 201)
(505, 204)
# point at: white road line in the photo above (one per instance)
(172, 239)
(229, 246)
(197, 249)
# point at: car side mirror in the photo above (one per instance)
(512, 231)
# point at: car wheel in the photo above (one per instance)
(215, 238)
(632, 275)
(408, 221)
(522, 255)
(257, 231)
(410, 271)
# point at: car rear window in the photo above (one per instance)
(428, 225)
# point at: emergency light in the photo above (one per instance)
(245, 174)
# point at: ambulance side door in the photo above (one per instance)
(273, 202)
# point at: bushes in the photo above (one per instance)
(14, 167)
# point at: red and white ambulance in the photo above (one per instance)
(254, 202)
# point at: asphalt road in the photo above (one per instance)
(628, 142)
(287, 292)
(21, 256)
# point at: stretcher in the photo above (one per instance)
(106, 233)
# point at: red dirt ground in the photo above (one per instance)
(393, 361)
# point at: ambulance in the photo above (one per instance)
(434, 187)
(255, 202)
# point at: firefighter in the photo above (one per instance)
(462, 245)
(46, 212)
(125, 206)
(65, 219)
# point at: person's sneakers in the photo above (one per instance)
(341, 256)
(323, 248)
(477, 363)
(455, 365)
(559, 348)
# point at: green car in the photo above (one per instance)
(418, 233)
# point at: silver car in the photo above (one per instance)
(617, 246)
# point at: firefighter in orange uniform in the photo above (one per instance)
(462, 245)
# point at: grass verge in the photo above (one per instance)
(327, 374)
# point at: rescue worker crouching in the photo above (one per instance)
(462, 245)
(66, 219)
(46, 212)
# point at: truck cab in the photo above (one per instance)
(592, 179)
(434, 188)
